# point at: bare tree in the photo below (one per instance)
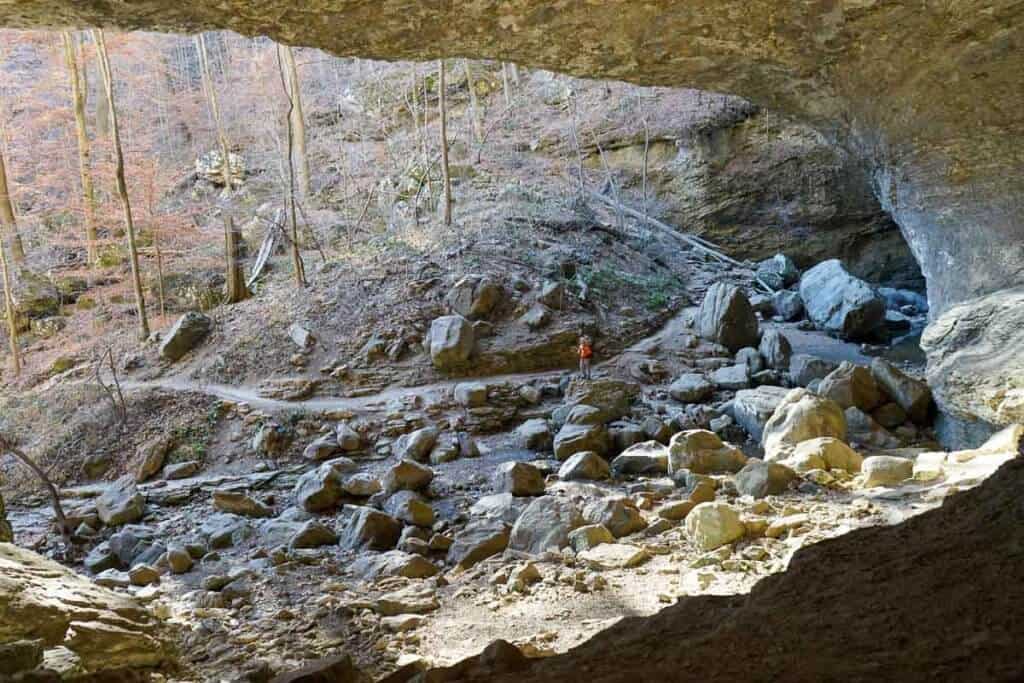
(293, 219)
(7, 217)
(445, 171)
(9, 311)
(474, 105)
(78, 95)
(236, 289)
(298, 121)
(7, 446)
(211, 98)
(122, 187)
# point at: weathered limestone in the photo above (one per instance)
(703, 452)
(799, 417)
(839, 303)
(725, 317)
(186, 334)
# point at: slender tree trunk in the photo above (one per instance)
(84, 169)
(155, 230)
(236, 289)
(474, 105)
(9, 312)
(7, 218)
(297, 264)
(298, 122)
(505, 86)
(122, 186)
(211, 97)
(445, 171)
(515, 72)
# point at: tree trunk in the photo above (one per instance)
(515, 72)
(505, 86)
(236, 289)
(445, 171)
(298, 123)
(474, 105)
(211, 97)
(12, 322)
(7, 219)
(293, 218)
(84, 169)
(122, 186)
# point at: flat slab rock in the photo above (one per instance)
(614, 556)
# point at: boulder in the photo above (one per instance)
(392, 563)
(589, 536)
(120, 504)
(851, 385)
(237, 503)
(322, 448)
(572, 439)
(776, 350)
(805, 369)
(450, 340)
(691, 387)
(319, 490)
(584, 415)
(410, 507)
(862, 429)
(889, 415)
(182, 470)
(801, 416)
(839, 303)
(313, 534)
(178, 560)
(536, 317)
(474, 296)
(407, 475)
(272, 439)
(6, 531)
(752, 358)
(503, 506)
(348, 438)
(416, 445)
(584, 466)
(104, 631)
(519, 479)
(150, 456)
(649, 458)
(712, 525)
(301, 336)
(788, 305)
(886, 470)
(827, 453)
(703, 452)
(752, 408)
(612, 397)
(470, 394)
(545, 525)
(656, 430)
(361, 485)
(185, 335)
(372, 529)
(911, 394)
(760, 479)
(778, 272)
(614, 556)
(726, 317)
(619, 515)
(552, 294)
(335, 669)
(534, 435)
(732, 377)
(478, 541)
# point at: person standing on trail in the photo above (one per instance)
(586, 352)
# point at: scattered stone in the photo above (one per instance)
(478, 541)
(503, 506)
(545, 525)
(552, 294)
(711, 525)
(361, 485)
(752, 408)
(392, 563)
(302, 337)
(416, 445)
(929, 466)
(446, 449)
(703, 452)
(832, 452)
(759, 479)
(805, 369)
(575, 438)
(731, 377)
(801, 416)
(863, 430)
(778, 272)
(780, 526)
(240, 504)
(534, 435)
(403, 623)
(886, 470)
(536, 317)
(369, 528)
(408, 476)
(519, 479)
(322, 448)
(656, 430)
(143, 575)
(788, 305)
(619, 515)
(612, 397)
(410, 508)
(272, 439)
(313, 534)
(851, 385)
(120, 504)
(911, 394)
(676, 510)
(889, 415)
(186, 334)
(614, 556)
(182, 470)
(839, 303)
(451, 340)
(20, 656)
(647, 458)
(474, 296)
(150, 457)
(752, 358)
(470, 394)
(179, 560)
(589, 536)
(584, 466)
(726, 317)
(691, 388)
(337, 669)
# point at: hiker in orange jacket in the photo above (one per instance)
(586, 352)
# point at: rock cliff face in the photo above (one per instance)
(927, 94)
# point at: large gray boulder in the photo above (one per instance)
(839, 303)
(534, 435)
(478, 541)
(646, 458)
(451, 339)
(703, 452)
(372, 529)
(759, 479)
(804, 369)
(474, 296)
(186, 334)
(911, 394)
(576, 438)
(120, 504)
(852, 385)
(545, 525)
(691, 387)
(6, 531)
(752, 408)
(778, 272)
(776, 350)
(799, 417)
(726, 317)
(518, 478)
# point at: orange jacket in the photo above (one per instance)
(586, 351)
